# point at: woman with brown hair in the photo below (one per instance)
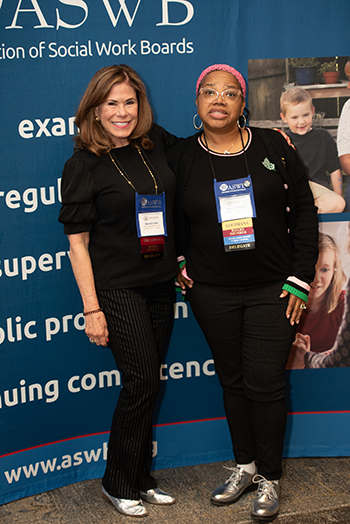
(117, 206)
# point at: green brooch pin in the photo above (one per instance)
(269, 165)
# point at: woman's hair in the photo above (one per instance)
(327, 243)
(92, 135)
(222, 67)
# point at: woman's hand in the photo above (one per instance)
(183, 279)
(95, 324)
(300, 347)
(295, 307)
(96, 328)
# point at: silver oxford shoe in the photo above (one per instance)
(157, 496)
(131, 508)
(266, 502)
(229, 492)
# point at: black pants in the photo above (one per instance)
(250, 339)
(139, 322)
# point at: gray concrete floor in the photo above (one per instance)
(314, 491)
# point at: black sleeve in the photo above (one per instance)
(167, 138)
(305, 234)
(303, 219)
(180, 158)
(78, 211)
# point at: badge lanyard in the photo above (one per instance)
(150, 215)
(235, 207)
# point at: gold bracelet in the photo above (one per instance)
(92, 312)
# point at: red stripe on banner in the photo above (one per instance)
(189, 422)
(167, 424)
(55, 442)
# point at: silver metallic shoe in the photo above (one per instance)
(157, 496)
(234, 487)
(131, 508)
(266, 502)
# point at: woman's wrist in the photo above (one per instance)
(92, 312)
(90, 301)
(181, 261)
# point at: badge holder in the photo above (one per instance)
(151, 224)
(235, 207)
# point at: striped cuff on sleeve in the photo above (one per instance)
(181, 261)
(303, 294)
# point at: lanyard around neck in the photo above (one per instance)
(244, 154)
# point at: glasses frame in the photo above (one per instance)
(221, 94)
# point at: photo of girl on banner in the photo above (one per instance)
(320, 324)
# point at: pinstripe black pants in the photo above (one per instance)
(139, 322)
(250, 339)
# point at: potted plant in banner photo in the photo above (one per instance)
(330, 72)
(305, 70)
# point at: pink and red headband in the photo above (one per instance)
(228, 69)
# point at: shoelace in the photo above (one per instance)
(235, 476)
(265, 486)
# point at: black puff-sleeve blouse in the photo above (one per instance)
(97, 199)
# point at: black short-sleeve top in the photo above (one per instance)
(97, 199)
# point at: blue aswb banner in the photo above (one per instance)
(57, 391)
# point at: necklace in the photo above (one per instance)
(227, 151)
(118, 167)
(244, 154)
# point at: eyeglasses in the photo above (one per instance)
(229, 95)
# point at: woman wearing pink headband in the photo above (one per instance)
(247, 240)
(228, 69)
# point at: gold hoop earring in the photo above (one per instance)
(97, 119)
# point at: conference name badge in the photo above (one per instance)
(151, 224)
(235, 207)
